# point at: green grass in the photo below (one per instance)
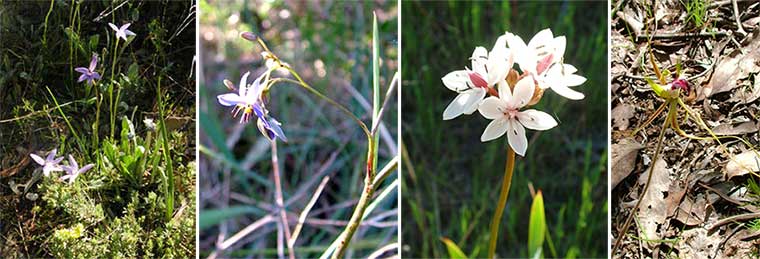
(452, 179)
(331, 49)
(139, 199)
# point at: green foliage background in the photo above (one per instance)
(116, 209)
(452, 181)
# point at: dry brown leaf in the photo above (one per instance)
(692, 213)
(734, 66)
(623, 159)
(741, 128)
(742, 164)
(696, 243)
(653, 210)
(621, 115)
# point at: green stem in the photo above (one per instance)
(506, 183)
(167, 156)
(356, 217)
(668, 121)
(111, 105)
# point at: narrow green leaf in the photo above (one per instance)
(454, 251)
(537, 227)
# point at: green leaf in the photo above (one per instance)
(658, 89)
(537, 227)
(454, 251)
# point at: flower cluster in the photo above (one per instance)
(88, 73)
(52, 164)
(500, 92)
(249, 100)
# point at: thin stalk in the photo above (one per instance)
(496, 220)
(356, 217)
(44, 33)
(65, 118)
(278, 199)
(110, 88)
(668, 121)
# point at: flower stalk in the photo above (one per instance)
(505, 184)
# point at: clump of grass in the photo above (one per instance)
(696, 12)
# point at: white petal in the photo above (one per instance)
(113, 26)
(499, 61)
(523, 92)
(456, 80)
(536, 120)
(492, 108)
(542, 38)
(559, 48)
(504, 92)
(229, 99)
(569, 69)
(523, 56)
(130, 33)
(462, 103)
(37, 159)
(574, 80)
(494, 130)
(243, 84)
(479, 59)
(257, 87)
(566, 92)
(479, 93)
(516, 136)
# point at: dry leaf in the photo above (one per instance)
(741, 128)
(734, 66)
(621, 115)
(653, 211)
(696, 243)
(742, 164)
(623, 159)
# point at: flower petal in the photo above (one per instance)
(464, 102)
(130, 33)
(254, 92)
(125, 26)
(516, 136)
(85, 168)
(479, 60)
(93, 62)
(229, 99)
(243, 84)
(504, 92)
(566, 92)
(499, 61)
(37, 159)
(574, 80)
(494, 130)
(492, 108)
(523, 56)
(559, 47)
(479, 93)
(536, 120)
(523, 92)
(456, 80)
(95, 75)
(73, 162)
(542, 39)
(113, 26)
(82, 78)
(82, 70)
(51, 155)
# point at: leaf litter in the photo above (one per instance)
(696, 183)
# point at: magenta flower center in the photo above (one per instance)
(477, 80)
(680, 84)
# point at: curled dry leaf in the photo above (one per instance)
(736, 129)
(623, 159)
(735, 66)
(621, 116)
(655, 208)
(743, 163)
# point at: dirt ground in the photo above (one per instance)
(703, 198)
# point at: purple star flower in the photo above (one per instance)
(122, 32)
(88, 73)
(49, 164)
(249, 100)
(73, 170)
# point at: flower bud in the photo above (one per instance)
(248, 36)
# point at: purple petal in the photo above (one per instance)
(83, 77)
(95, 75)
(130, 33)
(72, 162)
(57, 160)
(82, 70)
(93, 62)
(229, 99)
(125, 26)
(37, 159)
(275, 128)
(85, 168)
(51, 155)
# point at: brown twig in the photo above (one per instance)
(279, 200)
(734, 218)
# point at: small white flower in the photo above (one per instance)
(122, 32)
(507, 117)
(488, 68)
(50, 163)
(542, 58)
